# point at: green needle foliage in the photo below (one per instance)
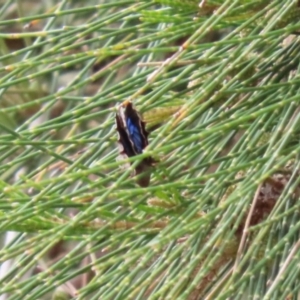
(217, 84)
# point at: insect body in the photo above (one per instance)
(133, 139)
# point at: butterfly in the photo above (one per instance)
(133, 139)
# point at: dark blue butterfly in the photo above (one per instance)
(133, 139)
